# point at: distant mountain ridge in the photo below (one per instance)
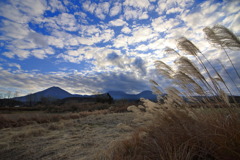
(116, 95)
(59, 93)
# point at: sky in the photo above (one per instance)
(86, 46)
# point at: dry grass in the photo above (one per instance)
(184, 135)
(196, 129)
(75, 139)
(74, 106)
(23, 119)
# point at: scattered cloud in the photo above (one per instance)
(14, 65)
(102, 10)
(67, 22)
(90, 7)
(117, 22)
(137, 4)
(102, 44)
(116, 9)
(126, 30)
(134, 13)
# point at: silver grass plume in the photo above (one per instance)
(153, 82)
(169, 50)
(156, 91)
(164, 69)
(183, 80)
(186, 66)
(220, 79)
(154, 88)
(185, 45)
(189, 48)
(174, 94)
(212, 37)
(223, 37)
(224, 97)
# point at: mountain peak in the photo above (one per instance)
(54, 88)
(54, 92)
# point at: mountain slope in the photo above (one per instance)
(52, 92)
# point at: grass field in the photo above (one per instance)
(82, 138)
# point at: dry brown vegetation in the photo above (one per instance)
(23, 119)
(177, 130)
(76, 139)
(184, 135)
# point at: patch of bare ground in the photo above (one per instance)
(76, 139)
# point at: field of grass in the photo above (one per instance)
(82, 138)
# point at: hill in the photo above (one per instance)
(56, 93)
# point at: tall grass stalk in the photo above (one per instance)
(223, 37)
(191, 124)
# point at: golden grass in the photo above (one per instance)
(83, 138)
(22, 119)
(193, 129)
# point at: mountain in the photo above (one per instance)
(58, 93)
(52, 92)
(117, 95)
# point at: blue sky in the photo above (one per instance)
(87, 46)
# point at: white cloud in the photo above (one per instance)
(14, 65)
(56, 5)
(22, 54)
(142, 47)
(14, 30)
(117, 22)
(171, 6)
(10, 12)
(139, 34)
(81, 14)
(232, 7)
(143, 16)
(174, 10)
(90, 7)
(121, 41)
(104, 36)
(116, 9)
(137, 3)
(71, 59)
(42, 53)
(161, 24)
(102, 10)
(67, 22)
(23, 11)
(131, 13)
(55, 41)
(33, 8)
(235, 22)
(126, 30)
